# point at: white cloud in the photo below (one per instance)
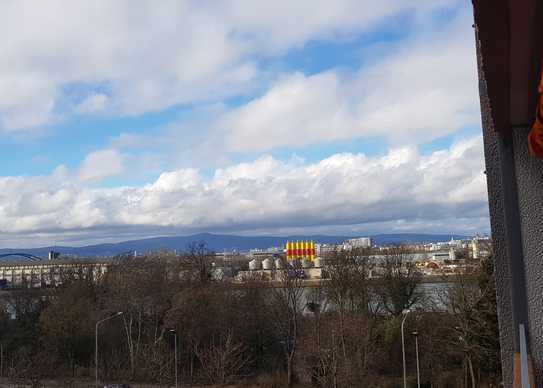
(93, 103)
(148, 56)
(129, 58)
(422, 88)
(279, 25)
(25, 100)
(101, 164)
(400, 190)
(295, 112)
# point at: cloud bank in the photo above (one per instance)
(344, 189)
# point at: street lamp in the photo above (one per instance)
(96, 344)
(175, 350)
(416, 334)
(405, 313)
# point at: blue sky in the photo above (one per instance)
(244, 117)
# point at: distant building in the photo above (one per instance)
(361, 242)
(47, 273)
(440, 257)
(480, 247)
(322, 250)
(455, 243)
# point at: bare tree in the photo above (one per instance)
(199, 258)
(326, 372)
(222, 360)
(347, 288)
(317, 304)
(471, 301)
(398, 288)
(285, 311)
(68, 323)
(140, 289)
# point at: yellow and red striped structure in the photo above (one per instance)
(300, 250)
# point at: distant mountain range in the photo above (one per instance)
(221, 242)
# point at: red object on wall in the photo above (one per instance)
(535, 137)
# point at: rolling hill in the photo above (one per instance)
(220, 242)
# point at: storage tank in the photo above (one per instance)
(267, 264)
(319, 262)
(254, 265)
(279, 264)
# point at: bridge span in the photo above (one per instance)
(21, 254)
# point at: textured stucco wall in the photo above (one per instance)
(529, 172)
(497, 225)
(529, 181)
(497, 217)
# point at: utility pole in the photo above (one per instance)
(416, 334)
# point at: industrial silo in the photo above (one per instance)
(267, 264)
(254, 265)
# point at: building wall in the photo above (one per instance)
(361, 242)
(49, 273)
(497, 217)
(529, 172)
(529, 180)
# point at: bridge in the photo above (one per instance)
(21, 254)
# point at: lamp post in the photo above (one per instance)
(404, 312)
(175, 357)
(416, 335)
(96, 344)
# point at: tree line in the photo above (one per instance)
(344, 332)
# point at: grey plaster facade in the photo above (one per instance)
(529, 173)
(527, 176)
(502, 273)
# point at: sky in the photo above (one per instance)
(131, 118)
